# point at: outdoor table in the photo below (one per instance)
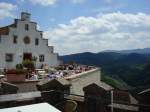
(41, 107)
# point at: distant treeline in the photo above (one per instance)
(133, 68)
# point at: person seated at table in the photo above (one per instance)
(34, 76)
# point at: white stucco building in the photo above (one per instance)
(21, 40)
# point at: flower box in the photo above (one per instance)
(16, 75)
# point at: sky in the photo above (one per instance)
(75, 26)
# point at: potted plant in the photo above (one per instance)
(28, 64)
(16, 75)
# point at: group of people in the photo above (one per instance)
(61, 71)
(75, 67)
(68, 69)
(57, 74)
(32, 76)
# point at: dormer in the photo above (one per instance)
(25, 16)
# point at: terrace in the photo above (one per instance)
(65, 71)
(60, 84)
(31, 79)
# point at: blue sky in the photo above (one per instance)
(74, 26)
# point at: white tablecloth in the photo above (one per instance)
(41, 107)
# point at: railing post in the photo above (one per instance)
(112, 101)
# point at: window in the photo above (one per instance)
(26, 27)
(26, 40)
(9, 57)
(36, 41)
(15, 39)
(41, 58)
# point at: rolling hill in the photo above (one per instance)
(139, 51)
(129, 68)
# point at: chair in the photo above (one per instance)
(67, 106)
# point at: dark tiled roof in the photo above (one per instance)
(121, 96)
(8, 88)
(123, 101)
(53, 84)
(124, 96)
(100, 85)
(62, 81)
(5, 30)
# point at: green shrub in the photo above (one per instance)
(19, 66)
(28, 64)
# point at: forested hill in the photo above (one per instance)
(139, 51)
(132, 68)
(106, 58)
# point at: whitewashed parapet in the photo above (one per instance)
(79, 81)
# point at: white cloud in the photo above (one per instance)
(50, 2)
(44, 2)
(6, 10)
(7, 6)
(106, 31)
(4, 14)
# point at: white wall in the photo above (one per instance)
(7, 46)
